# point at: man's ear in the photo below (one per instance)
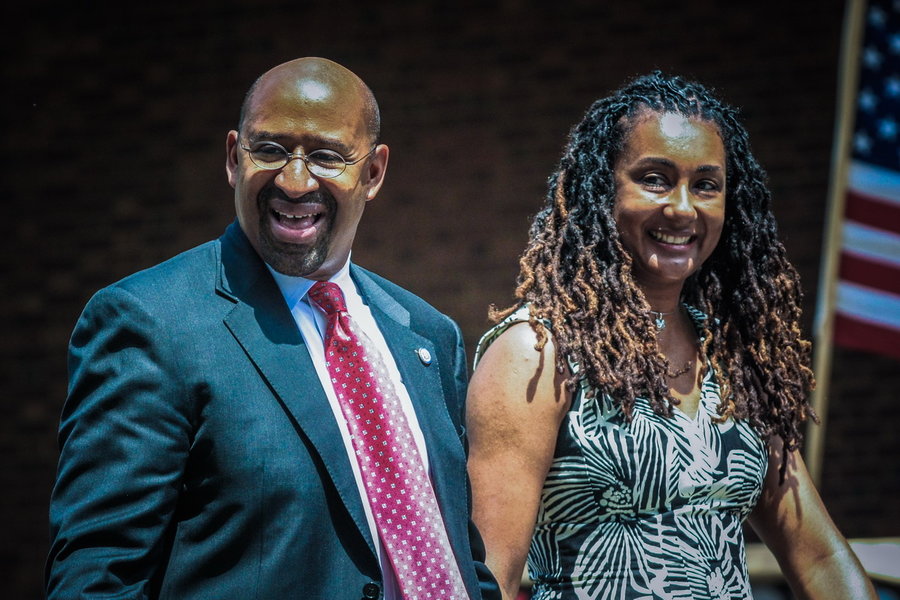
(375, 170)
(231, 159)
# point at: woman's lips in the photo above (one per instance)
(667, 238)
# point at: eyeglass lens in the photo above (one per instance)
(323, 163)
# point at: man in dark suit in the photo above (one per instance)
(203, 451)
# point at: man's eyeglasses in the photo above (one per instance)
(321, 163)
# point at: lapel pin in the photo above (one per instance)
(424, 356)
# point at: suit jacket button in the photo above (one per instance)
(371, 591)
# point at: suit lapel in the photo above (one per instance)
(265, 329)
(423, 384)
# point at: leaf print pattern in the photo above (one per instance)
(651, 509)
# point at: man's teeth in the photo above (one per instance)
(670, 239)
(298, 217)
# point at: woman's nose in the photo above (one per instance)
(681, 203)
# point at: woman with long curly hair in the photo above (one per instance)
(647, 392)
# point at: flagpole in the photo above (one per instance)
(854, 21)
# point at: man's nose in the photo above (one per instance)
(295, 180)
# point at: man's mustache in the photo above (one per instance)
(315, 197)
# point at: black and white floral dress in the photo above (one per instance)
(651, 509)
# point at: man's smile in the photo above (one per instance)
(296, 221)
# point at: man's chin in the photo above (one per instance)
(295, 261)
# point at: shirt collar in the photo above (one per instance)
(294, 288)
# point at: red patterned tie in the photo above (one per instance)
(400, 493)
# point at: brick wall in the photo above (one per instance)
(113, 138)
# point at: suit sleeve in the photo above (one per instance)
(124, 439)
(486, 582)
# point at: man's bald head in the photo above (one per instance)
(314, 76)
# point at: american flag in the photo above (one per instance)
(867, 301)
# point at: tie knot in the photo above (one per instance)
(328, 296)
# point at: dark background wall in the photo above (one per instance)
(113, 134)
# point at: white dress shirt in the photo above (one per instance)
(311, 321)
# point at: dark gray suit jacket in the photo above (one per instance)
(199, 457)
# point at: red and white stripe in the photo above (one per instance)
(867, 310)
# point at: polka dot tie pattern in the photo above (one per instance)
(400, 493)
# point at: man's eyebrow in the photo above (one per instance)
(311, 141)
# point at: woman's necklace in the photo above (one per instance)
(660, 318)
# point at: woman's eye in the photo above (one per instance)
(708, 186)
(654, 181)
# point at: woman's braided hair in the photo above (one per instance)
(576, 275)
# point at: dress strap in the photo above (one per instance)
(519, 316)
